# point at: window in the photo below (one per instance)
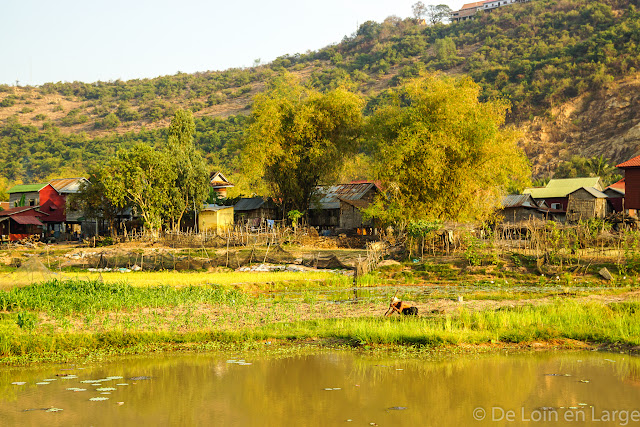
(556, 205)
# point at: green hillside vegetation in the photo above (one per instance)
(537, 55)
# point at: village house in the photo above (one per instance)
(220, 184)
(255, 210)
(632, 184)
(521, 208)
(556, 193)
(215, 219)
(51, 199)
(586, 203)
(339, 207)
(469, 10)
(21, 222)
(616, 192)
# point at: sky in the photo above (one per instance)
(69, 40)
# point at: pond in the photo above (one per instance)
(326, 389)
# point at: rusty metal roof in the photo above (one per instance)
(67, 185)
(329, 197)
(519, 201)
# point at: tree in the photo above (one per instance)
(299, 138)
(437, 14)
(144, 177)
(578, 167)
(441, 153)
(445, 49)
(191, 186)
(419, 10)
(92, 199)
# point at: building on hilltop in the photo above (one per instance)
(469, 10)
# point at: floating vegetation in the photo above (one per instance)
(106, 392)
(239, 362)
(19, 383)
(42, 383)
(54, 409)
(121, 384)
(98, 399)
(50, 379)
(114, 378)
(68, 377)
(89, 381)
(105, 389)
(584, 381)
(331, 389)
(140, 378)
(76, 389)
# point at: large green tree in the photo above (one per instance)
(441, 153)
(299, 138)
(144, 177)
(191, 187)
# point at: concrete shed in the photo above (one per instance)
(215, 219)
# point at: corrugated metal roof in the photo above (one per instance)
(67, 185)
(519, 201)
(595, 193)
(16, 210)
(620, 185)
(27, 219)
(329, 197)
(562, 187)
(631, 163)
(26, 188)
(214, 208)
(249, 204)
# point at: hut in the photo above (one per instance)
(339, 206)
(586, 203)
(215, 219)
(21, 222)
(254, 210)
(519, 208)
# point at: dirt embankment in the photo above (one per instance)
(603, 123)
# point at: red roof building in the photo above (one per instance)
(21, 222)
(631, 182)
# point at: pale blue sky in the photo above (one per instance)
(66, 40)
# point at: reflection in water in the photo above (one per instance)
(325, 389)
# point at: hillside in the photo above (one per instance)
(569, 67)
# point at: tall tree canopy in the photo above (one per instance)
(299, 138)
(441, 153)
(191, 187)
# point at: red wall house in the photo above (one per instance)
(53, 204)
(632, 183)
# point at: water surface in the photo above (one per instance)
(326, 389)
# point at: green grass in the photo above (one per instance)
(77, 296)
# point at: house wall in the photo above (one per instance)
(520, 214)
(33, 195)
(215, 221)
(582, 205)
(632, 188)
(350, 216)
